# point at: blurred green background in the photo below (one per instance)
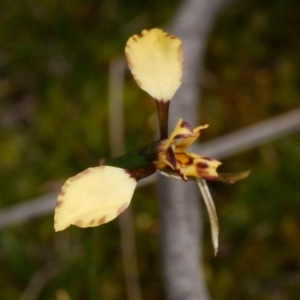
(54, 60)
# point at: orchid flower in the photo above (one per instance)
(99, 194)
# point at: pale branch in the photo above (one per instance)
(179, 202)
(222, 147)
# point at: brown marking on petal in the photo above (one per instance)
(186, 125)
(79, 175)
(202, 165)
(75, 177)
(122, 208)
(138, 81)
(101, 162)
(209, 177)
(170, 157)
(62, 191)
(180, 52)
(92, 222)
(59, 204)
(78, 222)
(184, 159)
(86, 171)
(182, 136)
(170, 36)
(102, 220)
(208, 158)
(182, 175)
(129, 62)
(141, 173)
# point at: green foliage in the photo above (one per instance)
(53, 123)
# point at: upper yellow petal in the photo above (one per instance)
(156, 62)
(186, 142)
(93, 197)
(182, 130)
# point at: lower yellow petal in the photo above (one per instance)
(93, 197)
(199, 167)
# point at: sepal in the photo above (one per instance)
(93, 197)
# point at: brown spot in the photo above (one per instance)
(170, 157)
(138, 81)
(141, 173)
(180, 52)
(135, 38)
(101, 220)
(129, 63)
(101, 162)
(202, 165)
(86, 171)
(122, 208)
(75, 177)
(171, 36)
(92, 222)
(186, 160)
(78, 222)
(208, 177)
(185, 124)
(182, 136)
(207, 158)
(59, 204)
(62, 192)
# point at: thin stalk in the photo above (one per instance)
(163, 118)
(213, 218)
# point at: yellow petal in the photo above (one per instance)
(193, 165)
(165, 155)
(182, 130)
(156, 61)
(93, 197)
(186, 142)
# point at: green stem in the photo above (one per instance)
(136, 159)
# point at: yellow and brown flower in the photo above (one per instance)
(172, 154)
